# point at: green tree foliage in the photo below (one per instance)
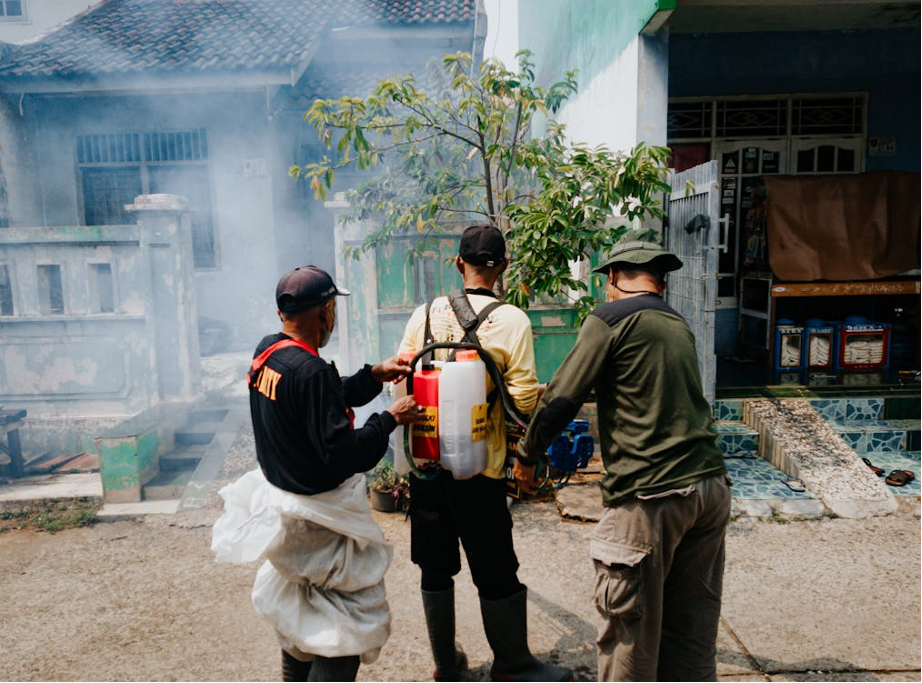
(460, 147)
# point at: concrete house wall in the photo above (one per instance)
(241, 202)
(39, 16)
(621, 71)
(91, 360)
(20, 194)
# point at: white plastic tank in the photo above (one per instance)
(463, 415)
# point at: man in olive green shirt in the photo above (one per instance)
(658, 549)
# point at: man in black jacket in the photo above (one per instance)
(306, 441)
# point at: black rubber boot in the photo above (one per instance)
(450, 660)
(294, 669)
(506, 626)
(334, 668)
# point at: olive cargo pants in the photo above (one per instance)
(659, 563)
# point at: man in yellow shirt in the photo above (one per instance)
(444, 511)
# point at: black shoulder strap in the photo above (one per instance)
(427, 337)
(470, 322)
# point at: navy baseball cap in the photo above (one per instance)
(482, 245)
(305, 287)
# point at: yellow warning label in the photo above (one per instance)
(479, 422)
(429, 428)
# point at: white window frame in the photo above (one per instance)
(18, 18)
(144, 163)
(853, 143)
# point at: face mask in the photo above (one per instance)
(329, 321)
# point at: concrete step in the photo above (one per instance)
(756, 479)
(728, 409)
(121, 512)
(208, 415)
(167, 485)
(182, 458)
(734, 437)
(867, 436)
(848, 408)
(796, 440)
(194, 436)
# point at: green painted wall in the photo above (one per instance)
(126, 463)
(118, 459)
(147, 452)
(587, 35)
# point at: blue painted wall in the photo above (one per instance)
(884, 63)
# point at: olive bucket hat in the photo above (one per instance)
(640, 248)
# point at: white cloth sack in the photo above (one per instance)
(322, 585)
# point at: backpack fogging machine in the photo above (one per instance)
(454, 435)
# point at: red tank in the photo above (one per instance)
(425, 441)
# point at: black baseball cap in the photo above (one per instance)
(305, 287)
(482, 245)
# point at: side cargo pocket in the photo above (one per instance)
(619, 586)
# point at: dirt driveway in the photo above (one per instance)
(145, 601)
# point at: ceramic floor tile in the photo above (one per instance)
(899, 460)
(733, 443)
(756, 478)
(883, 441)
(728, 410)
(872, 425)
(732, 427)
(848, 408)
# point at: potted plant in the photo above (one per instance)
(384, 487)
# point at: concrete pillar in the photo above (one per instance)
(130, 452)
(166, 243)
(653, 87)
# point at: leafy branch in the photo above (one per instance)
(459, 148)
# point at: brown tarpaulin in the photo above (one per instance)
(843, 227)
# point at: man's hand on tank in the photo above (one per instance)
(395, 368)
(525, 477)
(405, 410)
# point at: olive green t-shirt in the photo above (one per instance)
(639, 356)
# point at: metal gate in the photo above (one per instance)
(695, 235)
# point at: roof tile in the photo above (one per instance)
(133, 36)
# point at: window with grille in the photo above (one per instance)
(827, 116)
(766, 117)
(689, 120)
(190, 181)
(751, 118)
(106, 149)
(117, 167)
(106, 191)
(13, 10)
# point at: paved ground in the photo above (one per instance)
(824, 600)
(52, 486)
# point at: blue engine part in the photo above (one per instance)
(572, 450)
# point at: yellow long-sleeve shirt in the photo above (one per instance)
(506, 336)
